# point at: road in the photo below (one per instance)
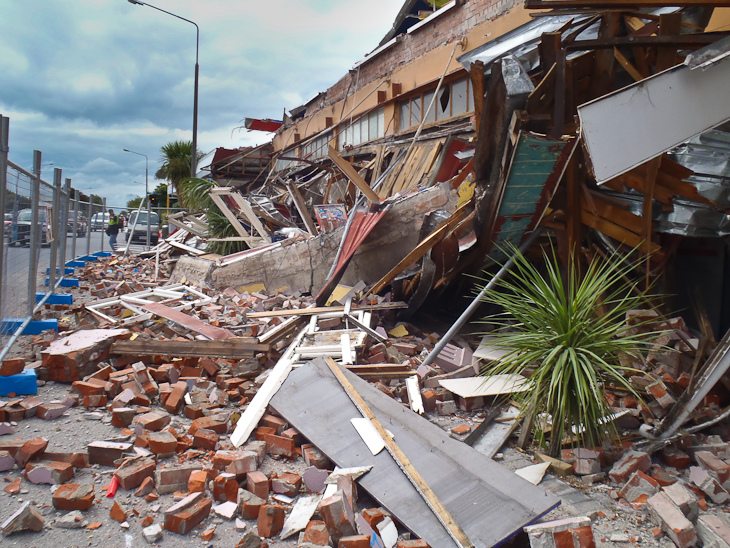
(17, 264)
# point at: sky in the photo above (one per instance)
(81, 80)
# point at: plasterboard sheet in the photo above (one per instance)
(628, 127)
(488, 501)
(492, 385)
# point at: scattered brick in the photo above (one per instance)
(205, 439)
(73, 496)
(337, 516)
(630, 462)
(117, 513)
(574, 531)
(162, 443)
(258, 484)
(249, 504)
(270, 520)
(639, 488)
(31, 449)
(52, 473)
(183, 516)
(26, 518)
(672, 521)
(225, 487)
(106, 452)
(132, 474)
(169, 480)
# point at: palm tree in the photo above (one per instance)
(176, 164)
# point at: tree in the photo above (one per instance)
(134, 203)
(175, 166)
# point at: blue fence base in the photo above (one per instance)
(75, 264)
(66, 270)
(65, 282)
(56, 298)
(34, 327)
(103, 254)
(89, 258)
(25, 383)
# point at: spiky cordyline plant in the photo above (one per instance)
(567, 336)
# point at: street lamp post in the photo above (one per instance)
(194, 155)
(146, 193)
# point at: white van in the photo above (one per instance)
(99, 221)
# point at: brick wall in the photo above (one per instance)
(447, 28)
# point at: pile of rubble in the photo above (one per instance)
(193, 439)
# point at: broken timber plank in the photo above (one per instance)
(352, 174)
(444, 516)
(256, 409)
(301, 206)
(189, 322)
(317, 310)
(491, 503)
(228, 348)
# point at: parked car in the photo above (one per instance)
(20, 229)
(99, 221)
(82, 225)
(8, 223)
(138, 221)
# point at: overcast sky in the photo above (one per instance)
(83, 79)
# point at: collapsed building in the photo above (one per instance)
(599, 126)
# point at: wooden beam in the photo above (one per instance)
(402, 460)
(627, 66)
(352, 174)
(317, 310)
(228, 348)
(476, 73)
(235, 223)
(298, 200)
(647, 211)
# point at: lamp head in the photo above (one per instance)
(136, 2)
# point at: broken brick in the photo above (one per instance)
(12, 366)
(573, 531)
(31, 449)
(183, 516)
(270, 520)
(117, 513)
(133, 473)
(672, 521)
(337, 516)
(316, 533)
(249, 504)
(683, 498)
(73, 496)
(639, 488)
(630, 462)
(258, 484)
(52, 473)
(197, 481)
(153, 420)
(208, 423)
(225, 487)
(175, 400)
(169, 480)
(106, 452)
(287, 484)
(162, 443)
(205, 439)
(26, 518)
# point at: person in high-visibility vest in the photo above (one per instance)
(112, 228)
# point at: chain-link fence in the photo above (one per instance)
(46, 226)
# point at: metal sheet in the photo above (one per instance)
(489, 502)
(628, 127)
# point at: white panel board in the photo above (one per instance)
(628, 127)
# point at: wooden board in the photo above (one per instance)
(352, 174)
(317, 310)
(227, 348)
(188, 322)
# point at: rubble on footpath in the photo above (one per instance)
(169, 465)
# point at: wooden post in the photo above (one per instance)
(352, 174)
(476, 72)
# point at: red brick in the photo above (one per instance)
(630, 462)
(51, 410)
(198, 481)
(280, 446)
(93, 387)
(12, 366)
(373, 516)
(250, 504)
(354, 541)
(117, 513)
(208, 423)
(567, 532)
(672, 521)
(675, 458)
(413, 543)
(94, 400)
(146, 487)
(461, 429)
(639, 488)
(316, 533)
(153, 420)
(162, 443)
(175, 399)
(287, 484)
(314, 457)
(225, 487)
(205, 439)
(77, 460)
(106, 452)
(169, 480)
(719, 468)
(258, 484)
(270, 520)
(132, 474)
(122, 416)
(337, 516)
(272, 421)
(73, 496)
(31, 449)
(182, 517)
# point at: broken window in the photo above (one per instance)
(364, 129)
(454, 99)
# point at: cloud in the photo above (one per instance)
(94, 77)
